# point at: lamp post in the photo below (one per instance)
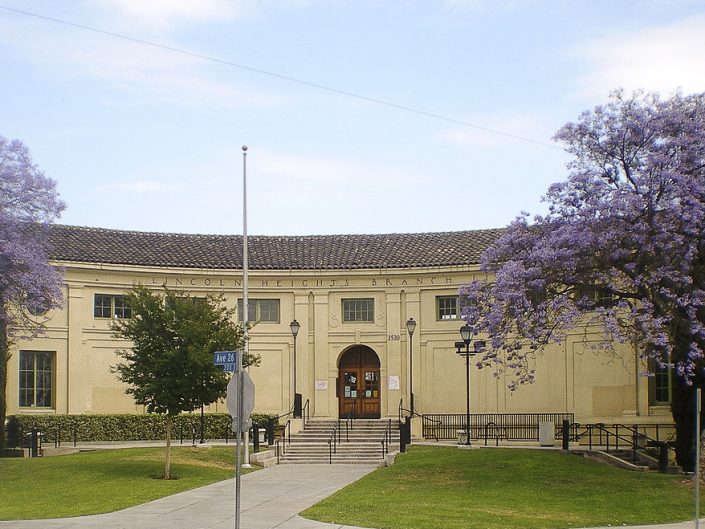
(295, 326)
(466, 333)
(410, 327)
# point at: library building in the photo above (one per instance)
(355, 324)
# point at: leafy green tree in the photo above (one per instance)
(169, 368)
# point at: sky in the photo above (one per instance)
(360, 116)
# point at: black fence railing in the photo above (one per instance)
(613, 435)
(509, 426)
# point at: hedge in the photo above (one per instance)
(123, 427)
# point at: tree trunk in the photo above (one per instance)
(4, 359)
(683, 408)
(167, 458)
(683, 395)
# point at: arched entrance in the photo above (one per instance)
(358, 383)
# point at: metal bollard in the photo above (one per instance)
(255, 437)
(34, 446)
(270, 432)
(404, 434)
(566, 434)
(663, 458)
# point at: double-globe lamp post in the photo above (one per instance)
(295, 326)
(466, 333)
(410, 326)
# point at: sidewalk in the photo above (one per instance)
(271, 499)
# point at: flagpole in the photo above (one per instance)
(245, 301)
(245, 348)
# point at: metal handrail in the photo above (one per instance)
(290, 412)
(387, 438)
(635, 434)
(414, 413)
(333, 441)
(305, 412)
(281, 449)
(284, 438)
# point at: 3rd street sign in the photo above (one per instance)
(228, 359)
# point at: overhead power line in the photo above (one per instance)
(275, 75)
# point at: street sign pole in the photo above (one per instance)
(697, 458)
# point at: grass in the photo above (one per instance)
(105, 480)
(448, 488)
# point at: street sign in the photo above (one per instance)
(227, 359)
(248, 399)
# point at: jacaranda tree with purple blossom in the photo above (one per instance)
(29, 285)
(621, 251)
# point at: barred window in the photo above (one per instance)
(446, 307)
(259, 310)
(36, 379)
(358, 310)
(659, 384)
(102, 306)
(598, 295)
(107, 306)
(122, 309)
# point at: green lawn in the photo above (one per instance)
(448, 488)
(105, 480)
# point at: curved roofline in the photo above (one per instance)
(310, 236)
(269, 252)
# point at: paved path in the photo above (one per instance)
(271, 499)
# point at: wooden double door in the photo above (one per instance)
(359, 391)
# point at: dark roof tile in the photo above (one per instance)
(313, 252)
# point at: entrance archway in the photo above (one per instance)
(359, 389)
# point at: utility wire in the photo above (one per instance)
(277, 76)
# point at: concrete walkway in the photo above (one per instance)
(271, 499)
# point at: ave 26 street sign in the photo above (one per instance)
(228, 359)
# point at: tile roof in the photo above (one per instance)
(311, 252)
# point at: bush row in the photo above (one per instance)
(123, 427)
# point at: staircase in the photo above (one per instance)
(360, 442)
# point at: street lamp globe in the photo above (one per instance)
(410, 326)
(466, 333)
(295, 326)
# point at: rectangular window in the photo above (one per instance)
(102, 306)
(597, 295)
(106, 306)
(446, 307)
(358, 310)
(122, 308)
(659, 384)
(260, 310)
(36, 379)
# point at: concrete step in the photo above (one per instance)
(361, 444)
(343, 438)
(378, 462)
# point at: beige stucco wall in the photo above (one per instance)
(571, 377)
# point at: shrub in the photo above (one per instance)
(123, 427)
